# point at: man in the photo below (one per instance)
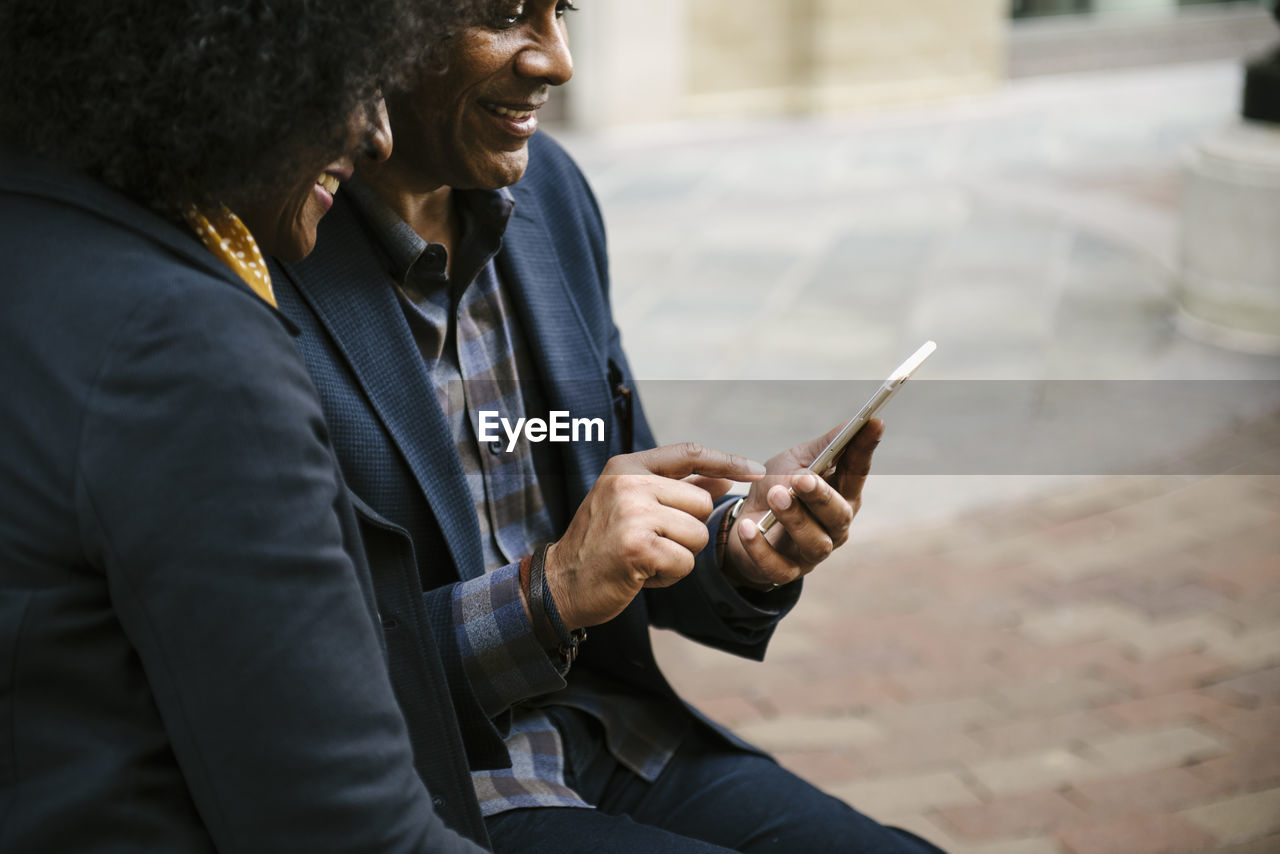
(439, 305)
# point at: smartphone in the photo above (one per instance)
(827, 459)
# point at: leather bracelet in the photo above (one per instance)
(543, 629)
(549, 629)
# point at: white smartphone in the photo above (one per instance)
(827, 459)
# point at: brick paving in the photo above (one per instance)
(995, 707)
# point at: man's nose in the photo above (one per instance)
(547, 57)
(377, 139)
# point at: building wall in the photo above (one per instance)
(683, 58)
(815, 55)
(885, 51)
(666, 60)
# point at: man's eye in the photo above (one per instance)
(513, 14)
(508, 14)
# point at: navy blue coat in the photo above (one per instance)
(397, 451)
(189, 654)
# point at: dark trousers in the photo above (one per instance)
(710, 799)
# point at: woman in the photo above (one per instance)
(189, 659)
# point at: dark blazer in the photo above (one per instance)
(397, 451)
(189, 654)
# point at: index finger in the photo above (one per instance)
(686, 458)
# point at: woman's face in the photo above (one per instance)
(284, 222)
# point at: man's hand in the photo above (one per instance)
(814, 522)
(639, 526)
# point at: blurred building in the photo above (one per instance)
(666, 60)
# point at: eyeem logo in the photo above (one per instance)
(561, 428)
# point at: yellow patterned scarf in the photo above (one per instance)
(228, 238)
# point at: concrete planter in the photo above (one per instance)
(1229, 290)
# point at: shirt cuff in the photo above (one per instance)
(502, 657)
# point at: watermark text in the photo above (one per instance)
(559, 427)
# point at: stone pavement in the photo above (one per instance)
(1025, 661)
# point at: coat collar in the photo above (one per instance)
(345, 285)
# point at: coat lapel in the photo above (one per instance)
(348, 290)
(573, 369)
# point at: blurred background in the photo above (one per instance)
(1057, 627)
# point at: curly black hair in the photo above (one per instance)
(180, 102)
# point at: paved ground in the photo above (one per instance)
(1038, 659)
(1094, 670)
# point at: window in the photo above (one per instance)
(1043, 8)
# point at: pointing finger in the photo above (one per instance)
(679, 461)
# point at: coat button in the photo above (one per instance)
(389, 622)
(438, 802)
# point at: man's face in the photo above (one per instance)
(469, 127)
